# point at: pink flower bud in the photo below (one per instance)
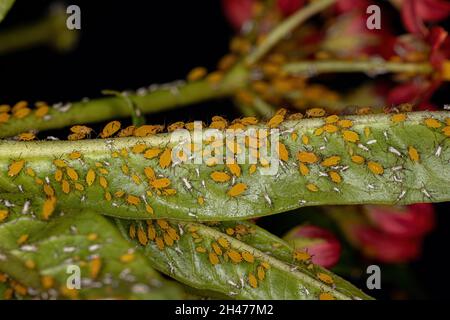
(408, 221)
(321, 244)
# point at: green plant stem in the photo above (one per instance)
(375, 66)
(5, 6)
(50, 30)
(164, 98)
(286, 27)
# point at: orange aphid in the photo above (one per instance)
(413, 154)
(235, 256)
(252, 169)
(220, 176)
(4, 117)
(283, 152)
(305, 139)
(48, 208)
(350, 136)
(103, 182)
(138, 148)
(48, 190)
(3, 214)
(432, 123)
(82, 130)
(326, 296)
(75, 155)
(27, 136)
(90, 177)
(252, 280)
(127, 132)
(22, 113)
(234, 169)
(335, 177)
(216, 248)
(237, 189)
(110, 129)
(375, 167)
(152, 153)
(331, 161)
(345, 123)
(149, 173)
(213, 258)
(142, 236)
(275, 121)
(304, 170)
(147, 130)
(47, 282)
(307, 157)
(312, 187)
(301, 256)
(95, 266)
(247, 256)
(197, 74)
(261, 273)
(72, 173)
(223, 242)
(133, 200)
(315, 112)
(357, 159)
(399, 117)
(41, 111)
(65, 186)
(15, 168)
(60, 163)
(132, 231)
(151, 232)
(166, 158)
(330, 128)
(160, 183)
(325, 278)
(127, 257)
(318, 131)
(446, 131)
(332, 119)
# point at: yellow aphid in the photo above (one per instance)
(330, 128)
(446, 131)
(294, 136)
(350, 136)
(75, 155)
(223, 242)
(301, 256)
(124, 152)
(160, 183)
(219, 125)
(213, 258)
(149, 173)
(133, 200)
(19, 105)
(261, 273)
(307, 157)
(335, 177)
(29, 171)
(234, 169)
(283, 152)
(304, 170)
(399, 117)
(235, 256)
(48, 190)
(30, 264)
(432, 123)
(103, 182)
(252, 169)
(110, 129)
(175, 126)
(125, 169)
(159, 243)
(237, 189)
(95, 266)
(151, 232)
(4, 108)
(76, 136)
(413, 154)
(149, 209)
(331, 161)
(315, 112)
(367, 132)
(41, 111)
(22, 113)
(39, 181)
(60, 163)
(332, 119)
(72, 173)
(108, 196)
(15, 168)
(92, 236)
(163, 224)
(48, 207)
(127, 257)
(27, 136)
(169, 192)
(345, 123)
(147, 130)
(201, 200)
(220, 176)
(247, 256)
(265, 265)
(90, 177)
(127, 132)
(318, 131)
(216, 248)
(65, 186)
(326, 296)
(325, 278)
(3, 214)
(229, 231)
(132, 231)
(138, 148)
(200, 249)
(79, 186)
(82, 130)
(142, 236)
(249, 121)
(22, 239)
(136, 179)
(214, 77)
(312, 187)
(166, 158)
(375, 167)
(275, 121)
(305, 139)
(47, 282)
(197, 74)
(358, 159)
(119, 194)
(173, 233)
(252, 280)
(4, 117)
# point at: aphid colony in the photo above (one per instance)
(75, 172)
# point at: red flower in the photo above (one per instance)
(321, 244)
(410, 221)
(385, 247)
(237, 11)
(416, 12)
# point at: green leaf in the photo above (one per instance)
(201, 256)
(401, 163)
(5, 6)
(38, 264)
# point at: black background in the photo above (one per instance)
(127, 45)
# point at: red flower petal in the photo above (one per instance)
(237, 11)
(288, 7)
